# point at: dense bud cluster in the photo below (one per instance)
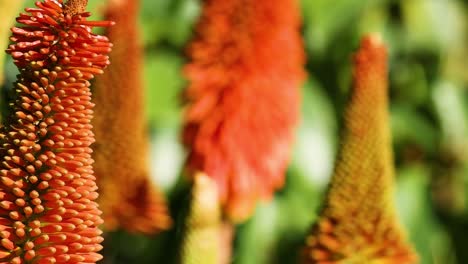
(48, 212)
(358, 223)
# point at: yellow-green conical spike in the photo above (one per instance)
(358, 224)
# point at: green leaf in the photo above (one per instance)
(164, 84)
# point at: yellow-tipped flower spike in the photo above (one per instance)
(8, 11)
(358, 224)
(207, 239)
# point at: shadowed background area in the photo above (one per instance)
(428, 54)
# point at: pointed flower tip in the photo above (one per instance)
(373, 43)
(374, 39)
(205, 197)
(206, 192)
(202, 181)
(370, 71)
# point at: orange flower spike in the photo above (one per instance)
(48, 212)
(127, 197)
(242, 101)
(358, 223)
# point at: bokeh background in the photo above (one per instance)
(428, 42)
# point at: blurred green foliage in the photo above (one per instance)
(428, 42)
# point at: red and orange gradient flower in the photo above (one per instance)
(48, 212)
(127, 198)
(243, 98)
(358, 223)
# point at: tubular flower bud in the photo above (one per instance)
(128, 199)
(48, 211)
(242, 102)
(358, 223)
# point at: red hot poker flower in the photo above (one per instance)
(48, 212)
(359, 223)
(243, 99)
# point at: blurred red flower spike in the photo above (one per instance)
(242, 101)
